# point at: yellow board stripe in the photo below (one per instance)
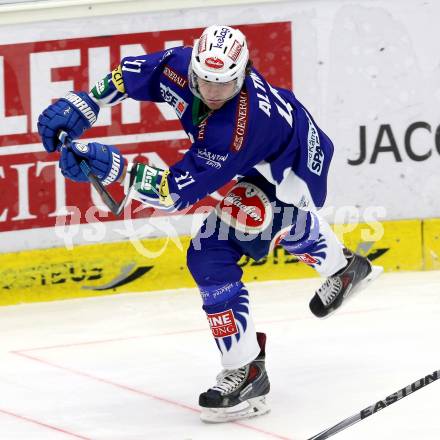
(431, 241)
(154, 264)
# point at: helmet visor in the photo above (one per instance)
(211, 91)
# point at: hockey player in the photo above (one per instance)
(239, 125)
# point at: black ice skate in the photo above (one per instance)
(239, 393)
(354, 277)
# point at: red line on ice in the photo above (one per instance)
(145, 393)
(45, 425)
(180, 332)
(22, 353)
(76, 344)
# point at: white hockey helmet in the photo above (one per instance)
(220, 56)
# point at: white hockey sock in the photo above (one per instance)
(233, 329)
(315, 243)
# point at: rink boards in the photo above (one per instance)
(111, 268)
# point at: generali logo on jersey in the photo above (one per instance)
(32, 75)
(175, 77)
(222, 324)
(241, 122)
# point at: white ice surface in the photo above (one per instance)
(132, 366)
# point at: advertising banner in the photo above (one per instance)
(366, 70)
(158, 264)
(34, 193)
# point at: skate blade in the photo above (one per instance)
(244, 410)
(376, 271)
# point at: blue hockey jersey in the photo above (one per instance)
(262, 129)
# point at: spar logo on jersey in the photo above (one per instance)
(246, 208)
(315, 155)
(172, 98)
(214, 63)
(222, 324)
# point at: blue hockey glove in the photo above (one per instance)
(74, 114)
(105, 162)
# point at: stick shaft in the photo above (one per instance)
(381, 404)
(100, 189)
(115, 207)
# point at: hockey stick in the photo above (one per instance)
(115, 207)
(381, 404)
